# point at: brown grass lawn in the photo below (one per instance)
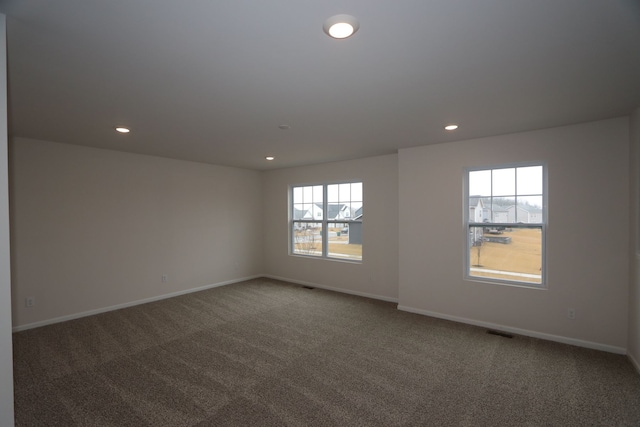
(338, 245)
(352, 251)
(522, 255)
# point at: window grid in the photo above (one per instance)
(326, 221)
(512, 254)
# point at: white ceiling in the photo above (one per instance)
(211, 81)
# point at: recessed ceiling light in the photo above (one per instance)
(270, 158)
(284, 127)
(341, 26)
(123, 130)
(451, 127)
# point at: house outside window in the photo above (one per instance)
(326, 221)
(505, 224)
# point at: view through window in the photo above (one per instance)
(506, 224)
(326, 220)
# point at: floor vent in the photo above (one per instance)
(308, 287)
(500, 334)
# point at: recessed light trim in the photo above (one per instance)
(270, 158)
(451, 126)
(341, 26)
(123, 129)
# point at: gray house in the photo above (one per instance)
(355, 228)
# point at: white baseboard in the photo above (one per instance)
(488, 325)
(127, 304)
(518, 331)
(634, 362)
(329, 288)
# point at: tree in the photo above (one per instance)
(478, 243)
(305, 240)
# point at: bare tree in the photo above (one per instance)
(478, 243)
(305, 240)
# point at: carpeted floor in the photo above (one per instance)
(268, 353)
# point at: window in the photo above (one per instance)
(505, 221)
(326, 221)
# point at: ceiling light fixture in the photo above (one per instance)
(341, 26)
(270, 158)
(451, 127)
(123, 130)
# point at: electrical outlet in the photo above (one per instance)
(571, 313)
(29, 302)
(165, 278)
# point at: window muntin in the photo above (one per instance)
(505, 215)
(331, 229)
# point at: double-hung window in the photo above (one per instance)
(505, 224)
(326, 220)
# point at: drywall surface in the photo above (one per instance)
(95, 228)
(377, 275)
(6, 353)
(587, 236)
(634, 196)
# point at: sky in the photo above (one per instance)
(524, 182)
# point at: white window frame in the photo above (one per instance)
(542, 226)
(324, 222)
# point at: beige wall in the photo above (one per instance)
(587, 239)
(6, 354)
(377, 275)
(634, 291)
(93, 229)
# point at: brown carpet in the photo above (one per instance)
(268, 353)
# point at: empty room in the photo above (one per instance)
(183, 238)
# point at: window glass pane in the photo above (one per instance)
(356, 210)
(307, 238)
(507, 252)
(333, 210)
(307, 194)
(332, 193)
(317, 193)
(310, 225)
(356, 192)
(480, 183)
(298, 211)
(297, 195)
(502, 209)
(345, 193)
(477, 209)
(345, 211)
(513, 254)
(306, 210)
(530, 180)
(497, 209)
(529, 210)
(345, 240)
(504, 182)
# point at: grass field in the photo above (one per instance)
(339, 247)
(517, 260)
